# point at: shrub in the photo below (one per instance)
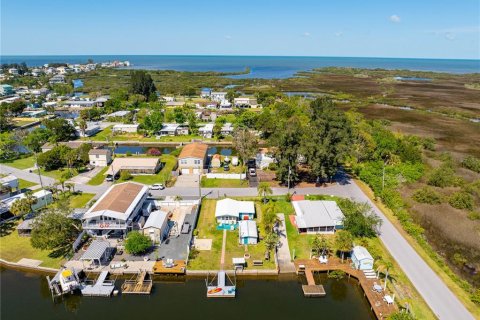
(125, 175)
(427, 195)
(444, 176)
(474, 215)
(128, 153)
(471, 163)
(137, 243)
(461, 200)
(336, 274)
(154, 152)
(475, 297)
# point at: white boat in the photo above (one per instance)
(65, 281)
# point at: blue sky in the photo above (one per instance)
(417, 29)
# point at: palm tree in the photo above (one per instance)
(264, 190)
(321, 246)
(31, 200)
(83, 126)
(343, 242)
(269, 216)
(20, 207)
(62, 181)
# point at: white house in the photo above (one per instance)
(361, 258)
(125, 128)
(207, 130)
(250, 102)
(205, 93)
(218, 96)
(7, 185)
(193, 158)
(13, 71)
(247, 232)
(156, 226)
(173, 129)
(312, 216)
(229, 211)
(117, 211)
(42, 197)
(57, 79)
(100, 157)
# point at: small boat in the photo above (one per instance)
(214, 291)
(65, 281)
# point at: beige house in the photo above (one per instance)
(193, 158)
(156, 227)
(245, 101)
(100, 157)
(125, 128)
(134, 166)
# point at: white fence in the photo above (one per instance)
(226, 176)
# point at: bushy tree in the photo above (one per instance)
(246, 143)
(60, 129)
(427, 195)
(36, 138)
(461, 200)
(137, 243)
(154, 152)
(153, 122)
(343, 242)
(471, 163)
(8, 146)
(125, 175)
(142, 83)
(53, 229)
(359, 218)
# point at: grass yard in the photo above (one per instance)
(80, 200)
(163, 176)
(13, 248)
(56, 174)
(206, 229)
(99, 178)
(223, 183)
(22, 163)
(24, 184)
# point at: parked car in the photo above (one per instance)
(157, 186)
(186, 228)
(109, 178)
(252, 172)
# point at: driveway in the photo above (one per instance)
(187, 181)
(84, 177)
(283, 252)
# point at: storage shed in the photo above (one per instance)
(361, 258)
(247, 232)
(156, 226)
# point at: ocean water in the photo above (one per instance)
(260, 66)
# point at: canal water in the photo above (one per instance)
(26, 296)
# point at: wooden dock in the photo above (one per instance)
(138, 286)
(179, 268)
(309, 266)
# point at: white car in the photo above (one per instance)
(157, 186)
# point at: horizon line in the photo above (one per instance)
(233, 55)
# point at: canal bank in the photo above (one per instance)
(184, 298)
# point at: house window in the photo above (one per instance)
(183, 161)
(197, 161)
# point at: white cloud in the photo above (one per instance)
(228, 37)
(339, 33)
(450, 36)
(395, 18)
(306, 34)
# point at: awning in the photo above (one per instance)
(96, 250)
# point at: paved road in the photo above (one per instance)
(437, 295)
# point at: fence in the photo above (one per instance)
(239, 176)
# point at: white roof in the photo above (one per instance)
(8, 179)
(229, 207)
(119, 126)
(361, 253)
(248, 229)
(156, 219)
(120, 113)
(170, 126)
(311, 214)
(96, 250)
(206, 128)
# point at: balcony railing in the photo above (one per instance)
(104, 225)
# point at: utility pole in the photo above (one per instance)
(289, 171)
(40, 178)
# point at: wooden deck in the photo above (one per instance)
(309, 266)
(138, 286)
(179, 268)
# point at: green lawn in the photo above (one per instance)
(24, 184)
(56, 174)
(80, 200)
(22, 163)
(13, 248)
(206, 228)
(99, 178)
(223, 183)
(163, 176)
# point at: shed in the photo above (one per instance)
(156, 226)
(361, 258)
(98, 251)
(247, 232)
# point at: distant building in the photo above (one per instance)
(193, 158)
(57, 79)
(42, 199)
(34, 113)
(13, 71)
(6, 90)
(117, 211)
(247, 232)
(8, 184)
(134, 166)
(125, 128)
(119, 114)
(100, 157)
(205, 93)
(206, 131)
(317, 216)
(173, 129)
(227, 129)
(249, 102)
(229, 211)
(218, 96)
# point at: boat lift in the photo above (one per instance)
(221, 289)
